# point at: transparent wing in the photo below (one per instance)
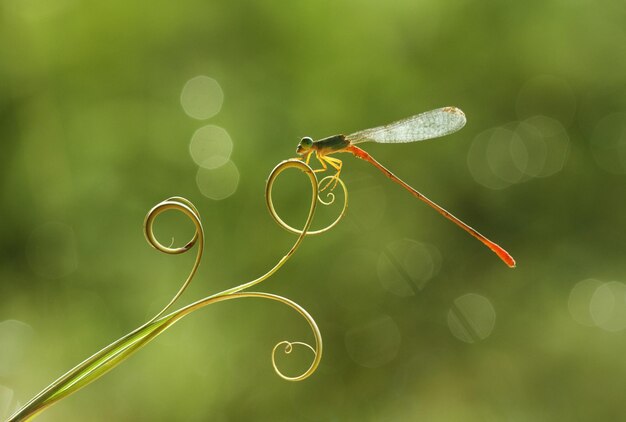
(428, 125)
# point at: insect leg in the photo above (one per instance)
(335, 163)
(320, 158)
(308, 158)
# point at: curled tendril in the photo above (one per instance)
(115, 353)
(304, 167)
(330, 193)
(186, 207)
(317, 350)
(288, 349)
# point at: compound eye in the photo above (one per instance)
(306, 141)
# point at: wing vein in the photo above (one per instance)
(428, 125)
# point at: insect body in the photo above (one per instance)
(428, 125)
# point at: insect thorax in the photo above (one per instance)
(332, 143)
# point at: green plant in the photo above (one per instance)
(115, 353)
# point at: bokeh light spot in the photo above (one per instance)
(536, 148)
(608, 306)
(608, 143)
(494, 158)
(518, 151)
(202, 97)
(506, 155)
(51, 250)
(374, 343)
(219, 183)
(405, 266)
(210, 147)
(15, 338)
(579, 301)
(471, 318)
(546, 95)
(552, 156)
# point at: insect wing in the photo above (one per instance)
(428, 125)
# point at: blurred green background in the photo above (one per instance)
(108, 108)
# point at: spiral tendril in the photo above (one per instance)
(287, 350)
(186, 207)
(115, 353)
(331, 195)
